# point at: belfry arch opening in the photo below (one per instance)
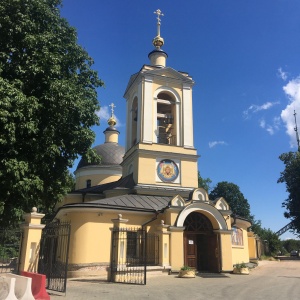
(201, 245)
(166, 119)
(134, 119)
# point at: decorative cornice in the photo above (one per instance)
(220, 231)
(163, 154)
(176, 229)
(32, 226)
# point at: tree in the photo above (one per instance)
(204, 182)
(48, 101)
(291, 244)
(291, 177)
(234, 197)
(273, 242)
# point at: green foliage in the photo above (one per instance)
(256, 226)
(204, 182)
(272, 239)
(291, 177)
(9, 244)
(234, 197)
(186, 268)
(290, 245)
(48, 102)
(241, 265)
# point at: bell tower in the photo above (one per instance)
(159, 139)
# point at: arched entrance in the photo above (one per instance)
(201, 245)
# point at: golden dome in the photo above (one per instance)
(158, 42)
(112, 121)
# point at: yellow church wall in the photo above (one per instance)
(89, 235)
(96, 179)
(226, 253)
(252, 245)
(189, 171)
(90, 239)
(176, 248)
(171, 215)
(147, 172)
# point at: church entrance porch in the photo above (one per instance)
(201, 245)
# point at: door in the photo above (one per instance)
(190, 250)
(213, 256)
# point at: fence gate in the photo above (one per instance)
(53, 256)
(132, 251)
(10, 248)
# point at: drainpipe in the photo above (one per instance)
(153, 219)
(143, 228)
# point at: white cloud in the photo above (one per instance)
(292, 90)
(104, 113)
(283, 75)
(256, 108)
(270, 128)
(262, 123)
(215, 143)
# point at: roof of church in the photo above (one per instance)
(133, 200)
(111, 154)
(127, 202)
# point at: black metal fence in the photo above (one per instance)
(10, 247)
(53, 255)
(132, 251)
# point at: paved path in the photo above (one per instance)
(270, 280)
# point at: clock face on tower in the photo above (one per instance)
(167, 170)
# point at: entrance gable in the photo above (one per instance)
(177, 201)
(215, 217)
(221, 204)
(200, 194)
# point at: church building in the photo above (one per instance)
(141, 204)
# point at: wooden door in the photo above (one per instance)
(213, 253)
(190, 242)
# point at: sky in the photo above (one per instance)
(244, 58)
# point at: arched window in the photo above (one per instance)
(197, 222)
(166, 119)
(134, 119)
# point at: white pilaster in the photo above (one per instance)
(147, 111)
(128, 124)
(188, 135)
(139, 113)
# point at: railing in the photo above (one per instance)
(133, 249)
(53, 255)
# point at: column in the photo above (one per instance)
(176, 247)
(32, 232)
(164, 244)
(118, 248)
